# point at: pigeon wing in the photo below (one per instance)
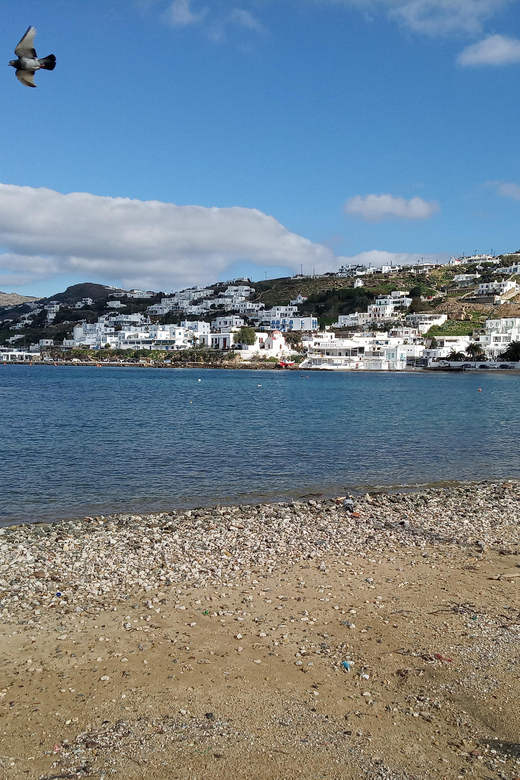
(26, 77)
(26, 46)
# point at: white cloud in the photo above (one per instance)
(215, 21)
(243, 18)
(142, 243)
(506, 189)
(495, 50)
(375, 208)
(429, 17)
(435, 17)
(180, 14)
(376, 258)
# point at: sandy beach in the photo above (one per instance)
(293, 640)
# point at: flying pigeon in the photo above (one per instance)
(28, 63)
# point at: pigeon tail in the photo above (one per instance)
(48, 63)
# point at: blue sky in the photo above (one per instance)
(210, 138)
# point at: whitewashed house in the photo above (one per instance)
(348, 321)
(424, 321)
(446, 345)
(197, 327)
(466, 280)
(250, 309)
(500, 289)
(388, 307)
(272, 345)
(295, 323)
(359, 353)
(499, 334)
(221, 324)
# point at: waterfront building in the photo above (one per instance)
(446, 345)
(17, 356)
(499, 334)
(360, 352)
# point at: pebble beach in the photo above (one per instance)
(285, 640)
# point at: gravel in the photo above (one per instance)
(75, 565)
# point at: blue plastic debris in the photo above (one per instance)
(346, 666)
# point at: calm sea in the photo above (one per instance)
(80, 441)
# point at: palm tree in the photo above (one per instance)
(475, 351)
(512, 353)
(456, 356)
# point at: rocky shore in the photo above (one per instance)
(286, 640)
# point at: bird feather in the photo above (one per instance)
(26, 77)
(26, 46)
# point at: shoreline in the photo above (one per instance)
(266, 641)
(208, 504)
(260, 366)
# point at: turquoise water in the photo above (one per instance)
(85, 440)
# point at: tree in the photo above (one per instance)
(512, 353)
(456, 356)
(433, 343)
(475, 350)
(245, 336)
(294, 339)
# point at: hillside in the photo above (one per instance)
(328, 296)
(13, 299)
(75, 293)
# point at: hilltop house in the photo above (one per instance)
(505, 289)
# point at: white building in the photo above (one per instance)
(298, 300)
(17, 356)
(272, 345)
(52, 309)
(466, 280)
(140, 294)
(221, 324)
(388, 307)
(295, 323)
(129, 334)
(116, 305)
(361, 352)
(424, 321)
(446, 345)
(348, 321)
(499, 334)
(197, 327)
(250, 309)
(507, 287)
(513, 269)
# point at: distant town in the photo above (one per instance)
(461, 315)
